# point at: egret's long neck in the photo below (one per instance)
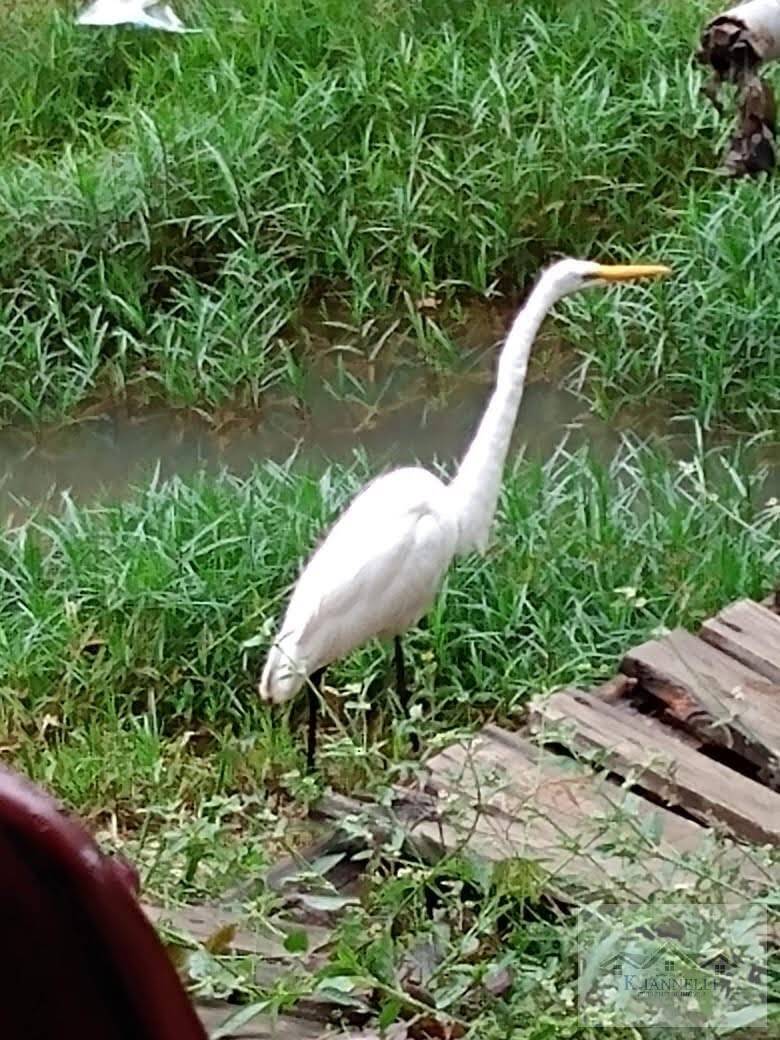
(475, 488)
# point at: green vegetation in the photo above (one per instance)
(177, 215)
(122, 625)
(170, 205)
(122, 632)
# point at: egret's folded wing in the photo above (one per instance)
(376, 572)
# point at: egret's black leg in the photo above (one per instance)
(401, 688)
(374, 691)
(400, 674)
(313, 689)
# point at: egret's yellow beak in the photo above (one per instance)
(629, 272)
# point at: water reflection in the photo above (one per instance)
(402, 418)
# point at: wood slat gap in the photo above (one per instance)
(712, 696)
(679, 774)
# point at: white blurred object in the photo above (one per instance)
(145, 14)
(761, 20)
(741, 38)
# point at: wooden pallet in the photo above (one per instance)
(688, 735)
(711, 742)
(666, 775)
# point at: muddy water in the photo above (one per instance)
(398, 418)
(404, 423)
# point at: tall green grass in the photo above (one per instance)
(169, 204)
(122, 626)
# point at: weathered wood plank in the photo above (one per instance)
(273, 962)
(505, 798)
(199, 923)
(749, 632)
(289, 1027)
(665, 765)
(713, 696)
(262, 1027)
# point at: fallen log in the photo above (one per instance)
(736, 42)
(735, 45)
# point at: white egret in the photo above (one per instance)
(381, 565)
(144, 14)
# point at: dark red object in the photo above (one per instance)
(78, 958)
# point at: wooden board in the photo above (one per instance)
(196, 924)
(749, 632)
(717, 698)
(505, 799)
(199, 923)
(262, 1027)
(288, 1027)
(661, 763)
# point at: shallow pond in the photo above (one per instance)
(398, 416)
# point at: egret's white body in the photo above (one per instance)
(376, 574)
(381, 566)
(145, 14)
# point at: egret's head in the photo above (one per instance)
(283, 675)
(569, 276)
